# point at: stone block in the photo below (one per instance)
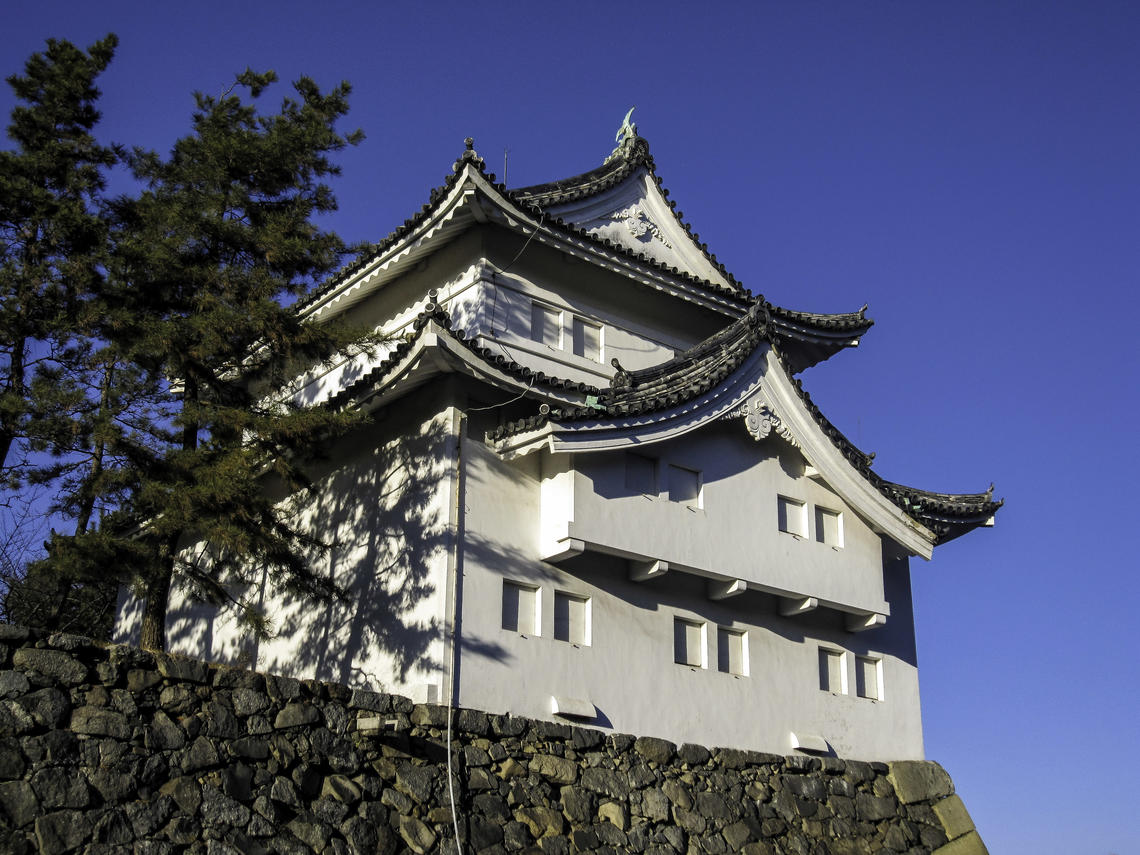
(341, 788)
(95, 721)
(419, 837)
(557, 769)
(296, 715)
(919, 780)
(47, 707)
(968, 844)
(473, 721)
(363, 699)
(540, 821)
(874, 808)
(693, 755)
(51, 663)
(655, 750)
(606, 782)
(18, 802)
(186, 670)
(61, 831)
(141, 679)
(429, 715)
(13, 684)
(615, 814)
(954, 817)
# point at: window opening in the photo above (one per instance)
(546, 325)
(571, 618)
(640, 474)
(587, 340)
(689, 643)
(868, 677)
(684, 486)
(832, 671)
(828, 527)
(792, 516)
(732, 651)
(520, 608)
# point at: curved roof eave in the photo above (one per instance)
(740, 364)
(817, 335)
(433, 334)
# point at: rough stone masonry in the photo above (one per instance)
(109, 749)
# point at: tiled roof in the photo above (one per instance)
(853, 322)
(709, 364)
(433, 312)
(948, 515)
(633, 154)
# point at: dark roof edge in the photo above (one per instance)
(633, 153)
(442, 319)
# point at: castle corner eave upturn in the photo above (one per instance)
(739, 373)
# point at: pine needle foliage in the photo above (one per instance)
(207, 259)
(52, 243)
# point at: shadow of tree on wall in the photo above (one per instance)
(384, 512)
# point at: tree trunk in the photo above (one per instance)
(153, 636)
(158, 586)
(88, 492)
(17, 388)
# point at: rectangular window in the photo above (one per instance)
(828, 527)
(587, 340)
(521, 608)
(684, 486)
(546, 325)
(868, 674)
(732, 651)
(571, 618)
(832, 671)
(640, 474)
(689, 643)
(793, 516)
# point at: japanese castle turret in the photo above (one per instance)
(592, 488)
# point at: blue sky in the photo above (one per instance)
(969, 169)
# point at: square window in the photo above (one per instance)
(828, 527)
(689, 643)
(792, 516)
(832, 671)
(521, 608)
(684, 485)
(868, 677)
(587, 340)
(732, 651)
(546, 325)
(640, 474)
(571, 618)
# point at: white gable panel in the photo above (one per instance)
(635, 215)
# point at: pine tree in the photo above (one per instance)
(52, 239)
(208, 258)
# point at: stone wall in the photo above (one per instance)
(111, 749)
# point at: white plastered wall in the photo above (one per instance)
(385, 506)
(627, 671)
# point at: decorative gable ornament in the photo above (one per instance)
(639, 224)
(761, 421)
